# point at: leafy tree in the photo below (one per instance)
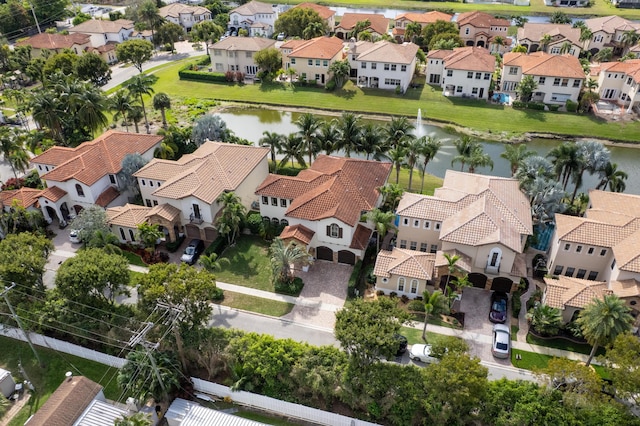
(167, 150)
(139, 86)
(340, 71)
(603, 320)
(18, 220)
(465, 147)
(92, 67)
(90, 220)
(559, 18)
(436, 28)
(479, 158)
(442, 345)
(45, 10)
(526, 88)
(231, 216)
(162, 102)
(580, 384)
(282, 257)
(13, 150)
(169, 33)
(382, 222)
(435, 303)
(145, 378)
(621, 363)
(23, 258)
(294, 21)
(207, 31)
(209, 127)
(137, 419)
(35, 70)
(515, 154)
(135, 51)
(446, 41)
(391, 196)
(328, 136)
(64, 62)
(366, 329)
(545, 320)
(519, 49)
(565, 160)
(131, 163)
(412, 31)
(315, 29)
(149, 235)
(268, 60)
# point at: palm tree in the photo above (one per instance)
(465, 147)
(314, 29)
(414, 147)
(232, 215)
(412, 31)
(498, 41)
(291, 148)
(565, 47)
(90, 105)
(613, 178)
(452, 259)
(397, 156)
(139, 86)
(591, 84)
(308, 125)
(340, 71)
(328, 136)
(106, 241)
(135, 115)
(565, 160)
(167, 149)
(382, 221)
(283, 256)
(350, 132)
(593, 157)
(533, 167)
(212, 263)
(148, 11)
(371, 142)
(544, 42)
(162, 102)
(397, 130)
(149, 235)
(479, 159)
(435, 303)
(545, 320)
(514, 154)
(47, 111)
(429, 151)
(273, 140)
(13, 150)
(630, 38)
(391, 196)
(143, 377)
(120, 104)
(603, 320)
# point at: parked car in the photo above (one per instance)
(74, 236)
(193, 251)
(420, 352)
(499, 304)
(501, 347)
(402, 344)
(281, 36)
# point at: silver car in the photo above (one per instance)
(420, 352)
(501, 347)
(74, 236)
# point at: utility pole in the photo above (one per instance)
(35, 18)
(17, 318)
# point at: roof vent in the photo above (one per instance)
(68, 375)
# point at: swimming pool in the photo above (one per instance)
(502, 98)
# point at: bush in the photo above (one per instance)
(379, 293)
(217, 246)
(519, 104)
(353, 280)
(393, 294)
(330, 86)
(404, 298)
(416, 306)
(292, 288)
(571, 106)
(254, 223)
(230, 76)
(289, 171)
(538, 106)
(174, 245)
(188, 73)
(13, 183)
(553, 107)
(516, 304)
(32, 180)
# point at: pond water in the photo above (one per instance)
(251, 123)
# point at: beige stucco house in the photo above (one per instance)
(480, 29)
(311, 59)
(465, 71)
(237, 53)
(404, 272)
(608, 31)
(424, 19)
(105, 31)
(184, 15)
(378, 24)
(618, 82)
(257, 18)
(563, 38)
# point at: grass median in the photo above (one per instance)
(259, 305)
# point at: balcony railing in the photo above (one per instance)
(195, 219)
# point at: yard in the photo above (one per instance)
(247, 302)
(249, 266)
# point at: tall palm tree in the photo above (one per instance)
(47, 111)
(498, 41)
(350, 132)
(397, 130)
(162, 102)
(274, 141)
(283, 256)
(412, 31)
(397, 156)
(435, 303)
(603, 320)
(328, 136)
(308, 125)
(314, 29)
(565, 48)
(613, 178)
(544, 42)
(120, 104)
(90, 105)
(148, 12)
(414, 148)
(593, 157)
(630, 38)
(371, 142)
(451, 259)
(135, 114)
(382, 221)
(149, 235)
(565, 160)
(465, 147)
(232, 215)
(591, 84)
(429, 151)
(291, 147)
(13, 150)
(514, 154)
(139, 86)
(479, 158)
(167, 150)
(212, 263)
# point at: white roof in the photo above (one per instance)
(187, 413)
(100, 413)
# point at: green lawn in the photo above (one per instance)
(414, 335)
(247, 302)
(563, 344)
(249, 266)
(46, 380)
(503, 122)
(133, 258)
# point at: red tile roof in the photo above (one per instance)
(318, 48)
(26, 197)
(544, 64)
(361, 237)
(378, 23)
(107, 196)
(55, 41)
(323, 11)
(470, 59)
(53, 194)
(425, 18)
(297, 232)
(481, 20)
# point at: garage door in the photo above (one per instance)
(192, 231)
(477, 280)
(210, 234)
(501, 284)
(324, 253)
(345, 256)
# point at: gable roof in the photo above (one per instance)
(336, 187)
(534, 32)
(67, 403)
(174, 10)
(406, 263)
(252, 8)
(425, 18)
(481, 20)
(630, 67)
(544, 64)
(101, 26)
(55, 41)
(129, 215)
(470, 59)
(91, 161)
(385, 51)
(317, 48)
(298, 232)
(611, 24)
(26, 197)
(323, 11)
(378, 23)
(573, 292)
(213, 168)
(249, 44)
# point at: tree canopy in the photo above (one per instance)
(294, 21)
(135, 51)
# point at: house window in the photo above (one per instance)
(449, 73)
(414, 245)
(148, 202)
(558, 270)
(363, 65)
(112, 179)
(385, 280)
(219, 67)
(556, 82)
(403, 244)
(581, 273)
(470, 74)
(590, 251)
(459, 89)
(274, 201)
(401, 284)
(122, 236)
(555, 50)
(391, 82)
(567, 247)
(578, 249)
(310, 62)
(603, 252)
(144, 183)
(405, 221)
(474, 91)
(423, 247)
(570, 272)
(155, 202)
(393, 67)
(150, 183)
(437, 226)
(414, 286)
(629, 80)
(374, 66)
(386, 67)
(248, 54)
(541, 80)
(334, 231)
(565, 82)
(293, 61)
(317, 62)
(576, 83)
(593, 275)
(265, 200)
(132, 235)
(434, 248)
(403, 68)
(283, 202)
(513, 70)
(284, 222)
(613, 264)
(416, 223)
(466, 31)
(427, 224)
(39, 167)
(487, 76)
(79, 190)
(325, 63)
(478, 75)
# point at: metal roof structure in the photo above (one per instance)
(188, 413)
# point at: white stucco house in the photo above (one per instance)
(104, 31)
(618, 82)
(255, 17)
(465, 71)
(184, 15)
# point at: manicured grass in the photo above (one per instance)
(530, 360)
(46, 380)
(502, 121)
(247, 302)
(514, 332)
(414, 335)
(249, 266)
(563, 344)
(133, 258)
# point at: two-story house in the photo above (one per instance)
(424, 19)
(378, 24)
(325, 13)
(558, 77)
(311, 58)
(257, 18)
(383, 64)
(103, 32)
(464, 71)
(323, 206)
(184, 15)
(56, 43)
(237, 53)
(618, 82)
(566, 3)
(609, 31)
(88, 174)
(555, 39)
(181, 195)
(602, 246)
(485, 220)
(479, 29)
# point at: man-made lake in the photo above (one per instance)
(251, 123)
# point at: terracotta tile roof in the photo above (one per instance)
(611, 24)
(129, 215)
(67, 403)
(465, 262)
(535, 32)
(615, 202)
(252, 8)
(470, 59)
(100, 26)
(213, 168)
(318, 48)
(544, 64)
(625, 288)
(630, 67)
(26, 197)
(323, 11)
(427, 207)
(107, 196)
(250, 44)
(53, 193)
(55, 41)
(406, 263)
(573, 292)
(481, 20)
(378, 23)
(333, 187)
(174, 10)
(93, 160)
(425, 18)
(165, 211)
(293, 44)
(438, 54)
(109, 46)
(386, 51)
(297, 232)
(361, 237)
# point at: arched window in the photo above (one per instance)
(284, 222)
(132, 235)
(401, 281)
(495, 255)
(275, 221)
(124, 238)
(266, 219)
(79, 190)
(334, 231)
(414, 286)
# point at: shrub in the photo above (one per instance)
(379, 293)
(292, 288)
(538, 106)
(519, 104)
(404, 298)
(289, 171)
(571, 106)
(217, 246)
(353, 279)
(174, 245)
(416, 306)
(516, 304)
(553, 107)
(330, 86)
(239, 76)
(187, 73)
(393, 294)
(13, 183)
(254, 223)
(398, 90)
(230, 76)
(32, 180)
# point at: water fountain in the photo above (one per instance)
(419, 123)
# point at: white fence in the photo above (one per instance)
(61, 346)
(288, 409)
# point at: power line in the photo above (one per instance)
(17, 318)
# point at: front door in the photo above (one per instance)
(196, 211)
(481, 92)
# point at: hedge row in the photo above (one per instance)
(216, 77)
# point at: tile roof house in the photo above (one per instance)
(423, 19)
(383, 64)
(464, 71)
(479, 29)
(88, 174)
(608, 31)
(184, 15)
(559, 77)
(56, 43)
(618, 82)
(602, 245)
(378, 24)
(312, 58)
(325, 13)
(322, 207)
(484, 219)
(107, 51)
(236, 54)
(104, 31)
(405, 272)
(24, 197)
(571, 295)
(563, 38)
(255, 17)
(181, 194)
